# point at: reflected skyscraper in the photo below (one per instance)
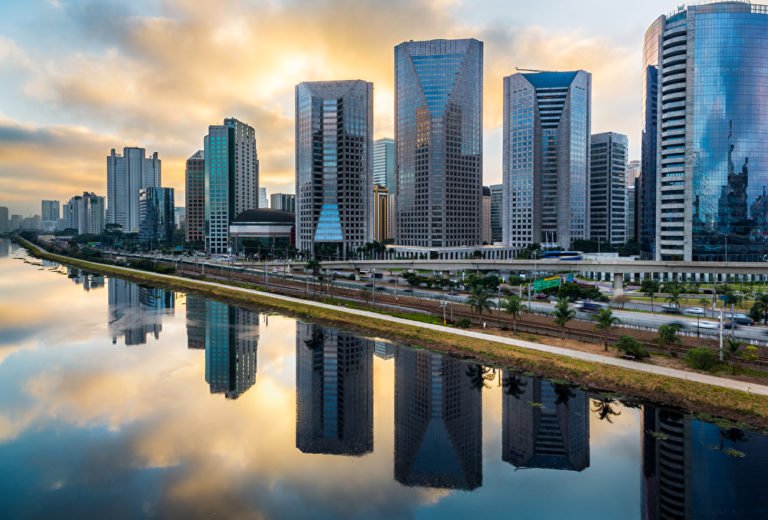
(438, 422)
(231, 343)
(710, 122)
(383, 349)
(697, 470)
(334, 391)
(196, 318)
(5, 248)
(136, 311)
(544, 425)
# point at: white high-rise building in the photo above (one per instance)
(127, 175)
(546, 158)
(263, 199)
(384, 163)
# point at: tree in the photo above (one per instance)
(605, 321)
(513, 306)
(313, 266)
(668, 336)
(673, 290)
(621, 299)
(757, 312)
(732, 348)
(649, 287)
(479, 300)
(763, 299)
(563, 393)
(563, 313)
(514, 384)
(479, 376)
(604, 409)
(731, 298)
(631, 347)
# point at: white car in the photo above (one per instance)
(695, 311)
(709, 325)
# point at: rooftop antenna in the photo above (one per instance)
(529, 70)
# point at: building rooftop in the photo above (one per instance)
(265, 215)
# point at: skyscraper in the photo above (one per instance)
(334, 391)
(194, 182)
(546, 158)
(633, 172)
(231, 179)
(127, 175)
(711, 126)
(231, 344)
(554, 435)
(608, 188)
(497, 200)
(50, 210)
(384, 163)
(84, 213)
(4, 222)
(263, 200)
(438, 142)
(283, 202)
(334, 161)
(156, 215)
(631, 222)
(486, 215)
(381, 212)
(438, 421)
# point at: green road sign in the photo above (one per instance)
(546, 283)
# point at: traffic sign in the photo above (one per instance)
(546, 283)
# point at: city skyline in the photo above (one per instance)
(45, 107)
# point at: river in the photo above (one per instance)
(121, 401)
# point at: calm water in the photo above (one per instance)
(118, 401)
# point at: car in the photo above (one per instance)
(743, 319)
(670, 308)
(712, 325)
(695, 311)
(541, 296)
(408, 291)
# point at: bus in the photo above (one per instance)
(561, 255)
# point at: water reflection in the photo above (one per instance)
(84, 424)
(136, 311)
(438, 421)
(334, 391)
(86, 279)
(694, 469)
(545, 425)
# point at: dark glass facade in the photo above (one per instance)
(438, 142)
(711, 129)
(156, 215)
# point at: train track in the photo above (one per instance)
(294, 288)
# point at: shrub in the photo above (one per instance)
(701, 358)
(463, 323)
(632, 347)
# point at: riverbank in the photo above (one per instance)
(675, 388)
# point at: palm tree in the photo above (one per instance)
(605, 321)
(513, 306)
(604, 409)
(650, 287)
(478, 376)
(563, 313)
(514, 384)
(668, 336)
(313, 266)
(478, 300)
(563, 393)
(762, 298)
(732, 348)
(673, 290)
(317, 340)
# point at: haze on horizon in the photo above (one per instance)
(80, 77)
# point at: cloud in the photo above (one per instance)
(160, 78)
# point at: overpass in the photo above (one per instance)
(616, 269)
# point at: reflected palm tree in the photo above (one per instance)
(563, 393)
(604, 409)
(317, 340)
(514, 385)
(478, 376)
(733, 435)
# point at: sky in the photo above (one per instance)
(80, 77)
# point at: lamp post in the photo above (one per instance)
(374, 286)
(498, 307)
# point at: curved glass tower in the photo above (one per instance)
(711, 131)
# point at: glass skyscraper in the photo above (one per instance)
(438, 142)
(231, 179)
(156, 215)
(384, 163)
(497, 198)
(608, 188)
(195, 196)
(334, 166)
(711, 126)
(231, 344)
(546, 158)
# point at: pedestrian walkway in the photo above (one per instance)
(573, 354)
